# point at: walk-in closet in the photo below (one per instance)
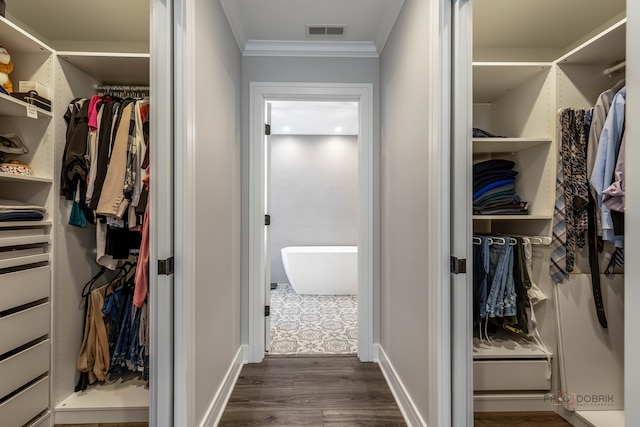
(532, 63)
(48, 264)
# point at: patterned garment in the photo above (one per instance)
(580, 182)
(617, 258)
(567, 119)
(558, 267)
(572, 193)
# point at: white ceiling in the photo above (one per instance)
(279, 26)
(314, 118)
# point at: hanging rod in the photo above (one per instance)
(498, 240)
(609, 71)
(121, 88)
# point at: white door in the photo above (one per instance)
(461, 227)
(267, 228)
(161, 399)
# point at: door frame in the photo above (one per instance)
(462, 224)
(161, 215)
(260, 93)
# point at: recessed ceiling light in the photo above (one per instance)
(338, 129)
(286, 129)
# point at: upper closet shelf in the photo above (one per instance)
(112, 68)
(605, 48)
(15, 39)
(506, 145)
(491, 80)
(12, 107)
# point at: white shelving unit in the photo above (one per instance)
(45, 264)
(521, 100)
(25, 272)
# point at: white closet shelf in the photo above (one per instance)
(603, 49)
(113, 68)
(491, 80)
(516, 217)
(128, 400)
(13, 224)
(506, 145)
(15, 39)
(13, 107)
(505, 348)
(8, 177)
(601, 418)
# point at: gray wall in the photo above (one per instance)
(307, 70)
(314, 194)
(404, 100)
(218, 71)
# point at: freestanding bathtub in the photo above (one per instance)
(322, 270)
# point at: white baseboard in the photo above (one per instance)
(219, 402)
(403, 399)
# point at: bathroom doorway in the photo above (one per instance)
(259, 289)
(311, 176)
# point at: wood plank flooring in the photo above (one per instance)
(311, 391)
(329, 391)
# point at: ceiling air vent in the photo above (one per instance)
(326, 30)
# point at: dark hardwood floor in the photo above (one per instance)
(330, 391)
(311, 391)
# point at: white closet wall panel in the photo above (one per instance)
(525, 110)
(74, 263)
(592, 357)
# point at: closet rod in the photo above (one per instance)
(499, 240)
(615, 68)
(130, 88)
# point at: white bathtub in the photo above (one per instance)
(322, 270)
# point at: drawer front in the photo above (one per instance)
(510, 375)
(23, 326)
(23, 367)
(24, 406)
(25, 286)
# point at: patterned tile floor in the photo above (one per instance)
(313, 324)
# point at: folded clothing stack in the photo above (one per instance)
(494, 189)
(13, 210)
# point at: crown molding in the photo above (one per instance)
(310, 48)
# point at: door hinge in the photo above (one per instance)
(267, 129)
(267, 220)
(267, 310)
(165, 266)
(458, 266)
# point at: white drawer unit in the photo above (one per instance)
(23, 367)
(26, 405)
(23, 327)
(23, 287)
(511, 375)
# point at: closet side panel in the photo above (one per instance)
(74, 248)
(526, 111)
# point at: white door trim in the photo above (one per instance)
(259, 93)
(462, 228)
(160, 301)
(439, 224)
